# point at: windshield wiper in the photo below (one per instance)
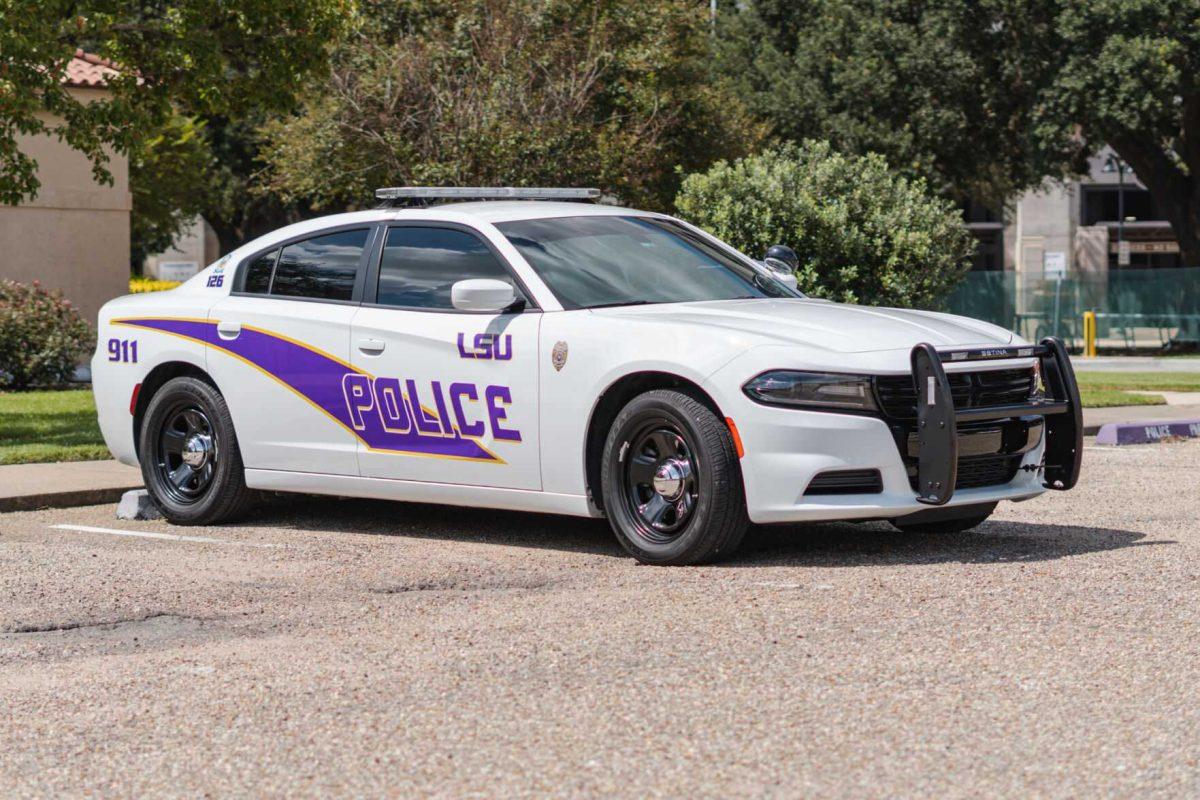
(623, 303)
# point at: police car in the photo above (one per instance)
(525, 349)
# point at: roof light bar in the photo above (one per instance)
(484, 193)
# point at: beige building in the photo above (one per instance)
(195, 249)
(74, 235)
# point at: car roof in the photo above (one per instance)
(490, 211)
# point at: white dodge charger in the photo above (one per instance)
(542, 354)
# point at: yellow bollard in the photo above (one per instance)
(1089, 334)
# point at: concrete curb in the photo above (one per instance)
(1118, 433)
(67, 499)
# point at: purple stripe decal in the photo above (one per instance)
(347, 394)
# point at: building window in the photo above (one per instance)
(989, 250)
(1101, 204)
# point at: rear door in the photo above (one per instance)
(443, 395)
(281, 350)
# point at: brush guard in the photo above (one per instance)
(937, 418)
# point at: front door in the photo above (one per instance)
(282, 347)
(442, 395)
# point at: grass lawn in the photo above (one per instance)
(1104, 398)
(49, 426)
(1142, 381)
(1103, 389)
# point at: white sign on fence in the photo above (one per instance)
(1054, 265)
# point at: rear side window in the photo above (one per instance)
(323, 267)
(421, 264)
(258, 273)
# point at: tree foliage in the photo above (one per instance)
(612, 93)
(1128, 74)
(943, 90)
(863, 233)
(985, 98)
(195, 57)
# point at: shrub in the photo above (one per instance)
(863, 233)
(42, 336)
(141, 283)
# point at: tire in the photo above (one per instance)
(189, 417)
(668, 449)
(959, 525)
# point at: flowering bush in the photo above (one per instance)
(140, 283)
(42, 336)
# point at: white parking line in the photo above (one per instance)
(153, 535)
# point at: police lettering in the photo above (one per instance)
(458, 410)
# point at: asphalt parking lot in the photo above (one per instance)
(371, 648)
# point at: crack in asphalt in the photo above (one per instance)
(75, 625)
(461, 585)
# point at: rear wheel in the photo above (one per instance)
(672, 483)
(189, 455)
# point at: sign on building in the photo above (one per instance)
(177, 270)
(1123, 251)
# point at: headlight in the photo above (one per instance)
(822, 391)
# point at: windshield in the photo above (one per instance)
(595, 261)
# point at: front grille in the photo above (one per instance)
(846, 481)
(975, 472)
(999, 387)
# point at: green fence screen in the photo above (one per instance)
(1136, 309)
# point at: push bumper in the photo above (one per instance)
(938, 440)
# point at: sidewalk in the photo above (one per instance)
(1135, 364)
(1093, 418)
(76, 483)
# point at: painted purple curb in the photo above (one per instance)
(1147, 432)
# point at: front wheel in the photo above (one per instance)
(671, 481)
(189, 455)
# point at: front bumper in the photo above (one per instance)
(785, 449)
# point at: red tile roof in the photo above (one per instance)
(88, 70)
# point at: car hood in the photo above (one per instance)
(835, 327)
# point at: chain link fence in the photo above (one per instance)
(1137, 310)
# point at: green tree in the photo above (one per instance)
(1128, 74)
(944, 90)
(195, 57)
(612, 93)
(984, 98)
(168, 178)
(863, 233)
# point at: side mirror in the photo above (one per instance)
(482, 294)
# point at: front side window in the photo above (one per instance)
(322, 268)
(595, 261)
(419, 266)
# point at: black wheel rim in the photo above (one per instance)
(661, 481)
(187, 453)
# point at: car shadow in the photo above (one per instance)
(877, 543)
(812, 545)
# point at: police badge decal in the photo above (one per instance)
(558, 356)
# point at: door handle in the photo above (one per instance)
(229, 330)
(371, 347)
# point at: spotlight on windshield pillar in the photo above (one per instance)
(784, 254)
